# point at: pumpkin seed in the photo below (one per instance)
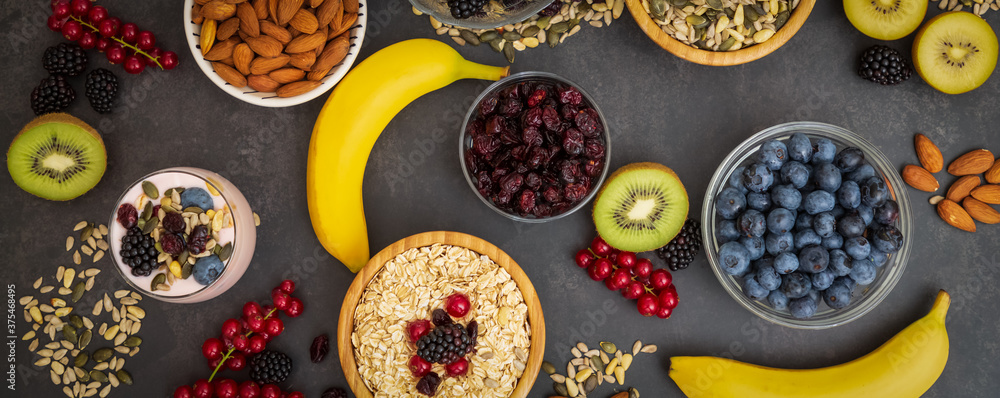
(81, 359)
(559, 27)
(124, 377)
(78, 290)
(225, 252)
(531, 31)
(102, 354)
(726, 45)
(552, 37)
(69, 332)
(193, 209)
(98, 376)
(150, 190)
(76, 321)
(590, 384)
(781, 19)
(543, 22)
(633, 393)
(715, 4)
(608, 347)
(186, 270)
(87, 232)
(548, 368)
(467, 35)
(497, 44)
(85, 338)
(150, 225)
(560, 389)
(512, 36)
(133, 341)
(488, 36)
(157, 280)
(597, 364)
(147, 211)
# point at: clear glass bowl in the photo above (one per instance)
(465, 141)
(865, 298)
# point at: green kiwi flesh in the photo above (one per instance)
(955, 52)
(641, 207)
(57, 157)
(886, 19)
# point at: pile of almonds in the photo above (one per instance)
(282, 46)
(969, 190)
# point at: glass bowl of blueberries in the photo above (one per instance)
(807, 225)
(534, 147)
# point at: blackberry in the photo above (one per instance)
(445, 344)
(53, 94)
(462, 9)
(680, 252)
(65, 59)
(139, 252)
(102, 90)
(270, 367)
(884, 66)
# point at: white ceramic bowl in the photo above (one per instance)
(192, 32)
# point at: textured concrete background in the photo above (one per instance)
(660, 108)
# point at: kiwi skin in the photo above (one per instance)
(924, 70)
(62, 118)
(645, 166)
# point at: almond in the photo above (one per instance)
(222, 50)
(242, 57)
(334, 52)
(987, 194)
(272, 10)
(961, 188)
(218, 10)
(196, 17)
(980, 211)
(265, 46)
(993, 174)
(207, 38)
(305, 43)
(287, 9)
(315, 3)
(262, 83)
(227, 29)
(248, 19)
(955, 215)
(297, 88)
(928, 153)
(975, 162)
(351, 6)
(920, 178)
(278, 33)
(230, 75)
(330, 10)
(303, 61)
(287, 75)
(304, 21)
(346, 24)
(201, 2)
(263, 65)
(260, 7)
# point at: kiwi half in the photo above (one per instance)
(886, 19)
(641, 207)
(955, 52)
(57, 157)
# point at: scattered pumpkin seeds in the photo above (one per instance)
(133, 341)
(78, 290)
(548, 368)
(98, 376)
(609, 348)
(150, 190)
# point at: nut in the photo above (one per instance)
(230, 75)
(920, 178)
(262, 83)
(227, 29)
(975, 162)
(280, 34)
(222, 50)
(987, 194)
(330, 10)
(242, 57)
(303, 61)
(286, 10)
(249, 23)
(297, 88)
(928, 153)
(334, 52)
(207, 39)
(305, 43)
(265, 46)
(993, 174)
(961, 188)
(287, 75)
(264, 65)
(218, 10)
(980, 211)
(955, 215)
(260, 7)
(345, 25)
(304, 21)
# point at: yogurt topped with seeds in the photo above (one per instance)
(182, 235)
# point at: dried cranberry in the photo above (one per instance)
(520, 167)
(594, 149)
(537, 97)
(485, 145)
(503, 198)
(483, 181)
(553, 152)
(519, 152)
(473, 331)
(537, 157)
(587, 124)
(532, 117)
(511, 183)
(174, 222)
(471, 162)
(172, 244)
(428, 384)
(542, 210)
(568, 111)
(488, 105)
(499, 172)
(594, 167)
(527, 201)
(569, 171)
(531, 136)
(197, 240)
(440, 317)
(510, 107)
(475, 128)
(533, 181)
(319, 348)
(573, 142)
(575, 192)
(128, 216)
(510, 137)
(496, 124)
(552, 195)
(512, 91)
(551, 119)
(570, 95)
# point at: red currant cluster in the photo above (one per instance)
(635, 277)
(245, 336)
(92, 27)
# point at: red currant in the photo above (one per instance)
(226, 388)
(109, 26)
(203, 389)
(295, 394)
(267, 337)
(72, 30)
(648, 305)
(633, 290)
(600, 247)
(255, 323)
(295, 308)
(212, 348)
(230, 328)
(134, 64)
(419, 367)
(214, 363)
(169, 60)
(184, 392)
(457, 368)
(60, 10)
(257, 344)
(88, 40)
(266, 310)
(79, 8)
(115, 53)
(102, 44)
(457, 305)
(287, 286)
(250, 309)
(55, 24)
(145, 40)
(274, 327)
(643, 267)
(281, 299)
(584, 258)
(619, 279)
(237, 361)
(130, 33)
(664, 312)
(660, 279)
(153, 55)
(270, 391)
(97, 14)
(600, 269)
(418, 329)
(626, 259)
(668, 298)
(249, 389)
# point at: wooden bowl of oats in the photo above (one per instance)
(694, 30)
(405, 282)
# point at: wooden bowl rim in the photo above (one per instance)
(720, 58)
(536, 319)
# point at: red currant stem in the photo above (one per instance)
(122, 42)
(230, 352)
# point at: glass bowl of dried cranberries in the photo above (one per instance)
(535, 147)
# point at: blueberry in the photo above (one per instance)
(878, 257)
(773, 154)
(874, 192)
(726, 231)
(866, 212)
(862, 173)
(849, 195)
(888, 213)
(838, 211)
(822, 280)
(768, 278)
(802, 308)
(780, 220)
(730, 203)
(795, 285)
(755, 246)
(751, 223)
(819, 201)
(760, 201)
(757, 177)
(197, 197)
(803, 222)
(736, 179)
(799, 148)
(825, 224)
(778, 300)
(807, 237)
(851, 225)
(838, 295)
(795, 173)
(813, 258)
(207, 269)
(863, 272)
(779, 243)
(786, 263)
(752, 289)
(827, 177)
(734, 257)
(786, 196)
(835, 241)
(857, 247)
(849, 159)
(840, 262)
(823, 151)
(887, 239)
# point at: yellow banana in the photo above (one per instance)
(905, 366)
(350, 122)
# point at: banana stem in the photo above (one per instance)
(941, 304)
(473, 70)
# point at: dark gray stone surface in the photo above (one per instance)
(660, 108)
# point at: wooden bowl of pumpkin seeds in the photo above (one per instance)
(720, 32)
